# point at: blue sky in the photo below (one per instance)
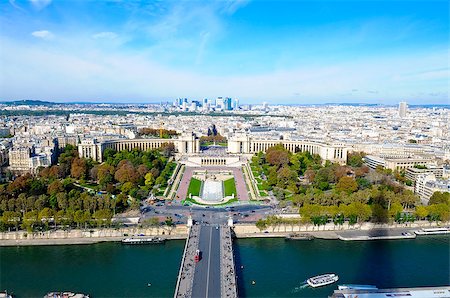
(274, 51)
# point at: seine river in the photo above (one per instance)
(278, 267)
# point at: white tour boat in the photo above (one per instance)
(322, 280)
(143, 240)
(433, 231)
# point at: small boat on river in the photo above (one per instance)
(322, 280)
(157, 240)
(65, 295)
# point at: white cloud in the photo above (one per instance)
(15, 5)
(44, 34)
(105, 35)
(40, 4)
(231, 6)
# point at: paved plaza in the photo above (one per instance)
(241, 188)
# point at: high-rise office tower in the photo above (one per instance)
(227, 104)
(219, 102)
(236, 104)
(402, 109)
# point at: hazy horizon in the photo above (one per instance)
(291, 52)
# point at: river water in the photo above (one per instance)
(278, 267)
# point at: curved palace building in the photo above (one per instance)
(188, 144)
(248, 144)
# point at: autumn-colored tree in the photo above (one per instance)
(142, 170)
(164, 133)
(310, 174)
(277, 155)
(20, 184)
(56, 172)
(347, 184)
(55, 187)
(341, 171)
(126, 172)
(78, 168)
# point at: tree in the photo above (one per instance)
(439, 212)
(45, 216)
(310, 175)
(395, 209)
(78, 168)
(361, 171)
(59, 217)
(421, 212)
(105, 174)
(102, 217)
(30, 219)
(277, 155)
(347, 184)
(355, 159)
(440, 198)
(127, 187)
(126, 172)
(379, 213)
(261, 224)
(61, 199)
(408, 199)
(55, 187)
(10, 219)
(285, 174)
(149, 179)
(78, 217)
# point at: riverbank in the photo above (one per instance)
(365, 231)
(60, 237)
(346, 232)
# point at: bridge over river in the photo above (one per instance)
(214, 275)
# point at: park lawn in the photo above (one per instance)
(88, 184)
(229, 187)
(194, 187)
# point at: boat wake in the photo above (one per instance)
(303, 285)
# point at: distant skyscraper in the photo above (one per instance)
(236, 104)
(219, 102)
(402, 109)
(227, 104)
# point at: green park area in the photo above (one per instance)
(323, 191)
(194, 187)
(229, 187)
(78, 192)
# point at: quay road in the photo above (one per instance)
(214, 275)
(207, 272)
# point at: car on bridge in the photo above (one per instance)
(198, 256)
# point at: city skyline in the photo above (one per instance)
(301, 52)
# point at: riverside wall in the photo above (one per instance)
(178, 232)
(247, 230)
(250, 230)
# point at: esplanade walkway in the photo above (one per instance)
(214, 275)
